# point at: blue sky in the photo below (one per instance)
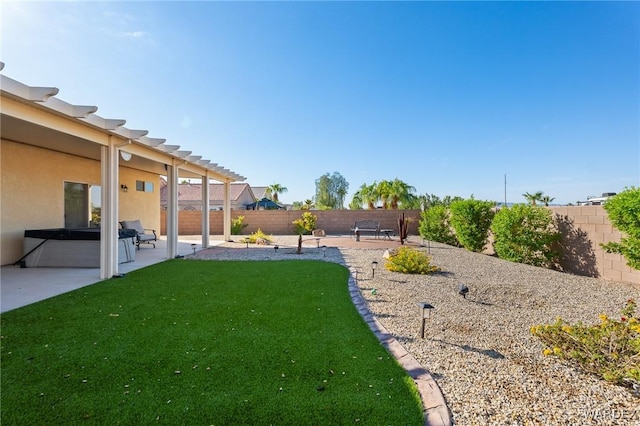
(446, 96)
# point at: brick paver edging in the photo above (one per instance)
(436, 411)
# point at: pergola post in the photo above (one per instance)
(109, 210)
(206, 225)
(227, 212)
(172, 211)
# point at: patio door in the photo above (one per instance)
(76, 205)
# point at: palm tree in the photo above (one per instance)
(308, 204)
(400, 191)
(384, 193)
(356, 202)
(275, 189)
(369, 195)
(365, 196)
(533, 198)
(546, 200)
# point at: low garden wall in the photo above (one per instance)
(279, 222)
(583, 228)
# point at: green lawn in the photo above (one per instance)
(203, 342)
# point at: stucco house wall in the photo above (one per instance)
(139, 204)
(32, 192)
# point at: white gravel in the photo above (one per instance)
(479, 350)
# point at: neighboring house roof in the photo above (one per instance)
(193, 192)
(259, 191)
(266, 204)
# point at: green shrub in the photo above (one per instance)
(610, 349)
(471, 220)
(526, 234)
(434, 226)
(624, 214)
(237, 225)
(305, 223)
(407, 260)
(259, 237)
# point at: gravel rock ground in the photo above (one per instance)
(479, 349)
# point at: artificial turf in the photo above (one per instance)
(203, 342)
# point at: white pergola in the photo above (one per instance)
(35, 116)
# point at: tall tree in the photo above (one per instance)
(331, 190)
(366, 194)
(533, 198)
(400, 192)
(356, 202)
(275, 189)
(384, 190)
(547, 200)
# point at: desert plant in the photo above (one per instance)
(434, 225)
(610, 349)
(237, 225)
(525, 234)
(259, 237)
(624, 214)
(407, 260)
(471, 220)
(403, 228)
(305, 223)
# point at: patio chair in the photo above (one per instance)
(142, 236)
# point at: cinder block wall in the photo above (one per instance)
(279, 222)
(583, 229)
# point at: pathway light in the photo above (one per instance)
(425, 314)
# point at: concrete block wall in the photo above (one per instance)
(583, 229)
(280, 222)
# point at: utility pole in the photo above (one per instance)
(505, 190)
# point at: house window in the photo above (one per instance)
(76, 205)
(143, 186)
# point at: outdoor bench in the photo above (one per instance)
(366, 226)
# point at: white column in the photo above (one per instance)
(172, 211)
(109, 211)
(205, 211)
(226, 224)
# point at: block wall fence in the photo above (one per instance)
(583, 228)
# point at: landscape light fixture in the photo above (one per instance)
(425, 314)
(374, 265)
(124, 188)
(193, 247)
(275, 249)
(324, 251)
(463, 290)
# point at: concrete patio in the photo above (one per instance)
(23, 286)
